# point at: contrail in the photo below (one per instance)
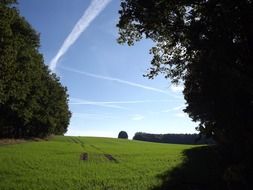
(89, 15)
(174, 109)
(78, 101)
(119, 81)
(98, 104)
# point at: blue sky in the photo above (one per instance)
(108, 92)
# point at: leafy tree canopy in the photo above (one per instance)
(172, 138)
(123, 135)
(208, 46)
(33, 103)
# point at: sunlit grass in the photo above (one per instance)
(56, 164)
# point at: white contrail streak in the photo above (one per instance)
(119, 81)
(77, 101)
(178, 108)
(89, 15)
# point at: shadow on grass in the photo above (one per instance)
(200, 170)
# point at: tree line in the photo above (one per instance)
(33, 103)
(173, 138)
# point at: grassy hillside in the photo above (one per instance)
(86, 163)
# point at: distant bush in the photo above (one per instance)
(172, 138)
(123, 135)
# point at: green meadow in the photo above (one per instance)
(86, 163)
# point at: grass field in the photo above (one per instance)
(86, 163)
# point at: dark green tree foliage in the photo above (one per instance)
(172, 138)
(123, 135)
(33, 103)
(207, 45)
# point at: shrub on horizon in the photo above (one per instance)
(123, 135)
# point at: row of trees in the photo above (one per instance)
(172, 138)
(33, 103)
(207, 45)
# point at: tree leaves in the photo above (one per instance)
(209, 46)
(33, 103)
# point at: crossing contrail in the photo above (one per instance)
(129, 83)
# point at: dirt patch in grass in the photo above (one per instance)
(11, 141)
(111, 158)
(84, 156)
